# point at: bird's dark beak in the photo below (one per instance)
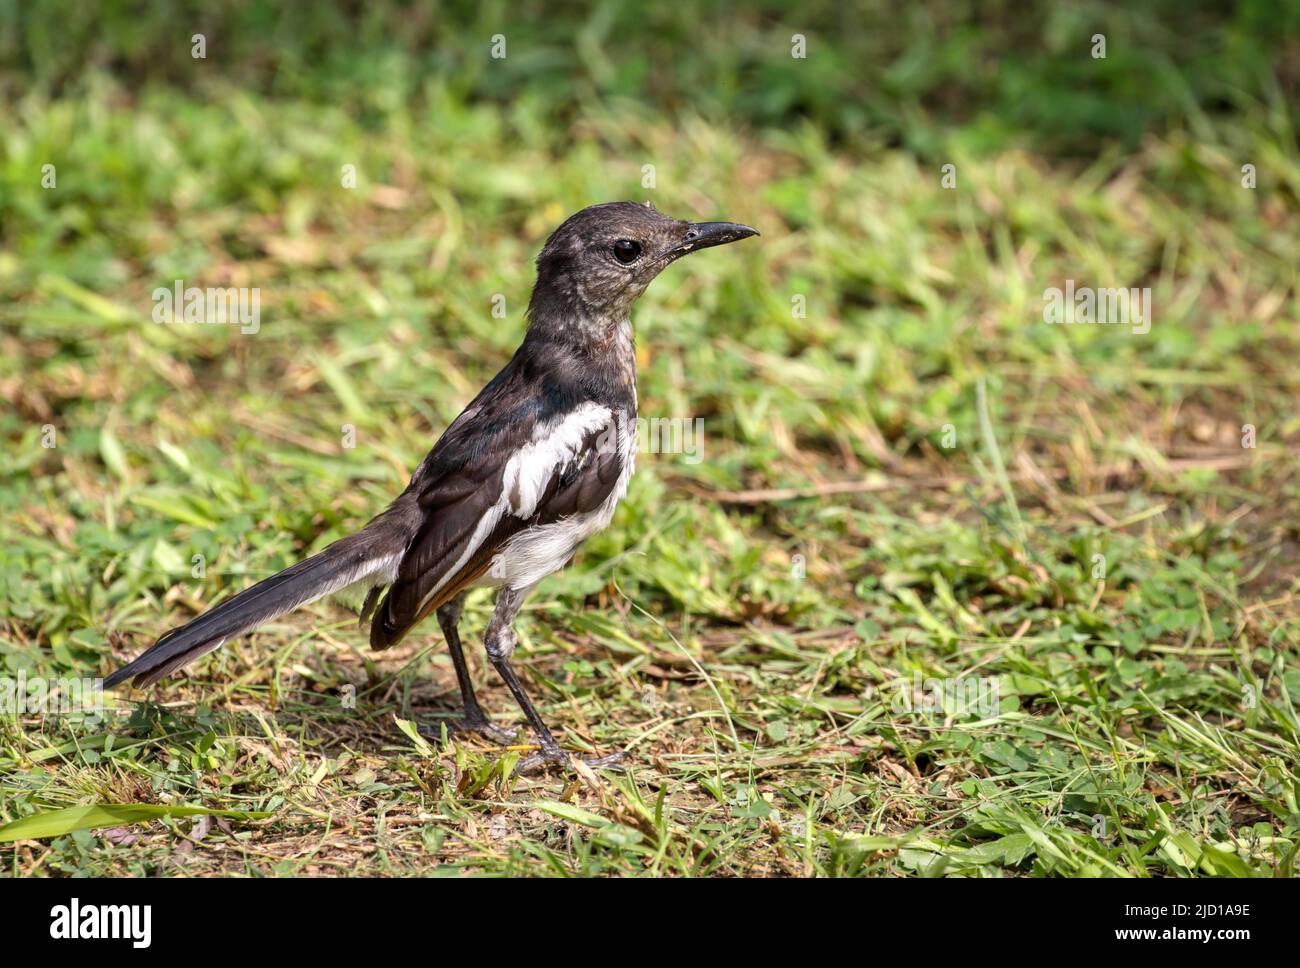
(704, 235)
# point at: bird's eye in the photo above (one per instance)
(626, 251)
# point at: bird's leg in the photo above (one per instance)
(500, 644)
(474, 719)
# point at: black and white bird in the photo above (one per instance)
(533, 467)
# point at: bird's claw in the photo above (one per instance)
(470, 723)
(556, 758)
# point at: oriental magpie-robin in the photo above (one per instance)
(533, 467)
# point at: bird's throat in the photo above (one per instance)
(622, 351)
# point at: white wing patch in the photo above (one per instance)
(536, 552)
(526, 476)
(553, 446)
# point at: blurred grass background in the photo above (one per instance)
(830, 546)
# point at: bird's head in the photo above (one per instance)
(600, 260)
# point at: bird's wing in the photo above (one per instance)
(515, 459)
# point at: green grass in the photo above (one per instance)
(909, 482)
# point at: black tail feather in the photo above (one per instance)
(370, 554)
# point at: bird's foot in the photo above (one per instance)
(553, 757)
(471, 722)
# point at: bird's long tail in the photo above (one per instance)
(369, 556)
